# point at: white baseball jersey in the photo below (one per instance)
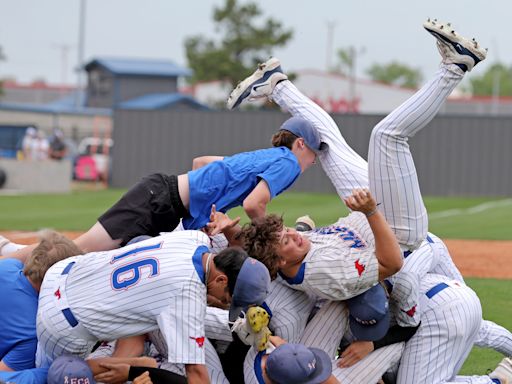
(153, 284)
(341, 263)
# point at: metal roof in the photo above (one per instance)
(154, 101)
(139, 67)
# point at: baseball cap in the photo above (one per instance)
(251, 288)
(295, 363)
(70, 369)
(369, 314)
(303, 128)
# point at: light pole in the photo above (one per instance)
(81, 38)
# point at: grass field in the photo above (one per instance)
(468, 218)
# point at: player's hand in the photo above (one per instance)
(116, 373)
(355, 352)
(143, 379)
(361, 200)
(219, 222)
(277, 341)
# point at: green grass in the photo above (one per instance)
(496, 306)
(79, 210)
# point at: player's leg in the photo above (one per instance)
(346, 169)
(325, 330)
(372, 367)
(392, 173)
(449, 325)
(492, 335)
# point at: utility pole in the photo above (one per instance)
(64, 51)
(81, 38)
(330, 43)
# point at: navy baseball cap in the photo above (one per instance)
(303, 128)
(70, 369)
(369, 314)
(251, 288)
(295, 363)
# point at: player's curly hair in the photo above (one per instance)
(260, 239)
(283, 138)
(53, 247)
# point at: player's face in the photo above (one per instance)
(292, 247)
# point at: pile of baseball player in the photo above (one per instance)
(167, 288)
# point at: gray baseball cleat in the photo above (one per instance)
(503, 371)
(454, 48)
(260, 84)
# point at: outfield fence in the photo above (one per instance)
(454, 155)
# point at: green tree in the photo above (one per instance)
(243, 45)
(396, 73)
(497, 81)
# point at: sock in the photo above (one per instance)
(10, 248)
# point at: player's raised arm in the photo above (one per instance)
(201, 161)
(387, 249)
(255, 204)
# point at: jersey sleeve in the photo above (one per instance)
(21, 356)
(26, 376)
(182, 325)
(280, 175)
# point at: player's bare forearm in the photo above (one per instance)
(255, 204)
(197, 374)
(387, 249)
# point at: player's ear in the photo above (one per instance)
(222, 280)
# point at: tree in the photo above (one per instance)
(396, 74)
(496, 81)
(243, 46)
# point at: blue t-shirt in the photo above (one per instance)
(18, 310)
(228, 182)
(27, 376)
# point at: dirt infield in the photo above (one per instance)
(474, 258)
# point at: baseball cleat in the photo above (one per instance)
(260, 84)
(454, 48)
(304, 224)
(503, 371)
(3, 241)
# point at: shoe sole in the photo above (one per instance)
(462, 45)
(259, 76)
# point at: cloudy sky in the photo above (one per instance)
(35, 34)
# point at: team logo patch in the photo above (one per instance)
(411, 311)
(360, 267)
(198, 340)
(57, 293)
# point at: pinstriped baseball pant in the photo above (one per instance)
(390, 174)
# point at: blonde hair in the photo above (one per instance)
(53, 247)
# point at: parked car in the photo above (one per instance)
(93, 160)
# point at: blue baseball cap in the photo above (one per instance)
(369, 314)
(295, 363)
(251, 288)
(303, 128)
(70, 369)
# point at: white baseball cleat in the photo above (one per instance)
(260, 84)
(454, 48)
(503, 371)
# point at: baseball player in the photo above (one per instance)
(160, 283)
(20, 288)
(392, 176)
(158, 202)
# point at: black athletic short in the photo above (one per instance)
(151, 206)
